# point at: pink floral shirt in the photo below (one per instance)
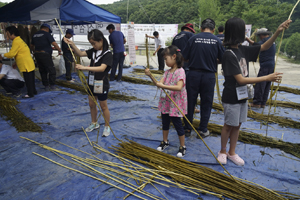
(166, 106)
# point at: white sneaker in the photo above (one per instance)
(106, 131)
(92, 126)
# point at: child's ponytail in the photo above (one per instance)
(170, 51)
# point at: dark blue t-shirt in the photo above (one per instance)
(116, 38)
(66, 52)
(202, 52)
(267, 58)
(181, 39)
(220, 36)
(42, 41)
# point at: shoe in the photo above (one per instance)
(222, 158)
(203, 135)
(53, 88)
(35, 92)
(106, 131)
(71, 81)
(92, 126)
(187, 132)
(26, 96)
(47, 88)
(181, 152)
(163, 145)
(254, 105)
(236, 159)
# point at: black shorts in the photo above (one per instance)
(101, 97)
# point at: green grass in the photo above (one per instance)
(288, 59)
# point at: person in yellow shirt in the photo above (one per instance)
(21, 52)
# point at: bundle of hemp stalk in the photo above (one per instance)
(10, 113)
(197, 176)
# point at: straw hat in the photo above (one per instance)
(263, 31)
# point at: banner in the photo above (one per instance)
(247, 34)
(84, 29)
(131, 42)
(166, 31)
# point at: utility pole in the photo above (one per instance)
(200, 23)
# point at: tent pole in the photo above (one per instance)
(59, 21)
(9, 47)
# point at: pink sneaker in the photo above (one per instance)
(222, 158)
(236, 159)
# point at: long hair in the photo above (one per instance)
(97, 35)
(170, 51)
(12, 30)
(234, 31)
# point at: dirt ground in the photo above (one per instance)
(291, 72)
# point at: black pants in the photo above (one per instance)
(161, 60)
(202, 83)
(262, 89)
(46, 68)
(29, 78)
(12, 85)
(118, 59)
(166, 119)
(68, 65)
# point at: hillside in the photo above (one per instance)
(259, 13)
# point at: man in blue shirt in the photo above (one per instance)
(117, 41)
(267, 64)
(181, 39)
(68, 55)
(220, 33)
(202, 52)
(41, 45)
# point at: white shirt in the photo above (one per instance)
(160, 42)
(10, 73)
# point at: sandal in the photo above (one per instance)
(26, 96)
(222, 158)
(236, 159)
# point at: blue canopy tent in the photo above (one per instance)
(67, 11)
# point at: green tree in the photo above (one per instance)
(267, 13)
(292, 47)
(209, 9)
(239, 6)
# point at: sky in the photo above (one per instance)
(91, 1)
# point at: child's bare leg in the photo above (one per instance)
(225, 133)
(165, 135)
(234, 135)
(106, 113)
(182, 140)
(93, 109)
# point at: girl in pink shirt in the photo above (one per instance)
(173, 82)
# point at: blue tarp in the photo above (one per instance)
(62, 115)
(68, 11)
